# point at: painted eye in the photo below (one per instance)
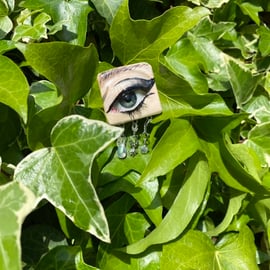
(134, 92)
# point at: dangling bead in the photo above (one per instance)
(121, 147)
(145, 138)
(133, 140)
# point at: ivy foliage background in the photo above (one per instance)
(199, 200)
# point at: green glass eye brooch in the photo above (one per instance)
(129, 93)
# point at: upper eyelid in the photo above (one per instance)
(111, 96)
(131, 87)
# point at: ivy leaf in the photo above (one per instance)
(252, 11)
(135, 226)
(62, 174)
(5, 26)
(72, 13)
(155, 35)
(234, 206)
(183, 59)
(32, 32)
(146, 194)
(183, 209)
(14, 87)
(178, 143)
(64, 257)
(107, 8)
(191, 104)
(71, 68)
(264, 40)
(196, 251)
(16, 202)
(259, 141)
(243, 82)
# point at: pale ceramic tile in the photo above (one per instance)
(129, 93)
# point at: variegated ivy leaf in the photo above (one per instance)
(16, 202)
(62, 173)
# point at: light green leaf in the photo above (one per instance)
(135, 226)
(62, 174)
(191, 105)
(252, 11)
(6, 45)
(183, 60)
(72, 13)
(186, 203)
(3, 8)
(178, 143)
(211, 30)
(243, 82)
(214, 62)
(71, 68)
(5, 26)
(28, 32)
(259, 107)
(154, 35)
(16, 202)
(13, 87)
(259, 141)
(149, 260)
(234, 206)
(107, 8)
(45, 94)
(264, 40)
(196, 251)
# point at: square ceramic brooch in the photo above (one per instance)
(129, 93)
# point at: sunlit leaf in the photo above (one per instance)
(16, 202)
(234, 206)
(252, 11)
(5, 26)
(155, 35)
(13, 87)
(243, 82)
(107, 8)
(72, 13)
(196, 251)
(183, 209)
(62, 174)
(177, 144)
(259, 140)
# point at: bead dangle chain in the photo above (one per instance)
(134, 139)
(145, 137)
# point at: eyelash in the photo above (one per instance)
(138, 88)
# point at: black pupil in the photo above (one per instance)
(128, 100)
